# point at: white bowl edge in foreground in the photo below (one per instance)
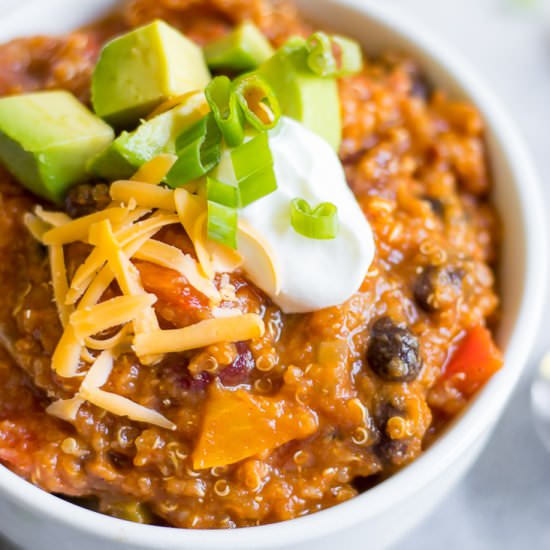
(385, 512)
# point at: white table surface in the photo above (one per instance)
(504, 503)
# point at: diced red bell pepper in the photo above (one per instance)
(473, 363)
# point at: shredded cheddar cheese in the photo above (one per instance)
(192, 214)
(77, 230)
(121, 406)
(263, 255)
(127, 277)
(59, 281)
(36, 227)
(203, 333)
(145, 194)
(66, 409)
(109, 314)
(195, 102)
(55, 219)
(125, 231)
(120, 338)
(66, 357)
(171, 257)
(154, 171)
(90, 391)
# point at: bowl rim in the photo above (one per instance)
(476, 419)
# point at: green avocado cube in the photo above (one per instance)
(46, 139)
(153, 137)
(304, 96)
(243, 49)
(139, 70)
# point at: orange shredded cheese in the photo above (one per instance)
(77, 230)
(36, 227)
(204, 333)
(153, 172)
(120, 338)
(140, 208)
(259, 251)
(66, 357)
(55, 219)
(97, 376)
(145, 194)
(109, 314)
(224, 259)
(59, 281)
(127, 277)
(195, 103)
(123, 406)
(192, 215)
(66, 409)
(171, 257)
(131, 238)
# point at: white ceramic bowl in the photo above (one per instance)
(377, 518)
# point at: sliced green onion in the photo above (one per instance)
(223, 193)
(293, 44)
(241, 50)
(198, 150)
(258, 102)
(222, 224)
(253, 169)
(251, 156)
(226, 110)
(257, 185)
(321, 58)
(333, 56)
(318, 223)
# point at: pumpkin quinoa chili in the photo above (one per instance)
(315, 407)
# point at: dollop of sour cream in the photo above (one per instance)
(313, 274)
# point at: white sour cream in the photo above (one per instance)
(314, 274)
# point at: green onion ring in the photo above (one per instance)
(258, 101)
(319, 223)
(333, 56)
(226, 110)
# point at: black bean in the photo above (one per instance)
(437, 288)
(420, 87)
(392, 452)
(86, 199)
(437, 206)
(119, 460)
(393, 352)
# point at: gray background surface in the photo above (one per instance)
(504, 502)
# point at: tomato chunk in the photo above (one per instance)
(178, 302)
(473, 363)
(238, 424)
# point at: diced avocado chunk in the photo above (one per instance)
(46, 139)
(153, 137)
(304, 96)
(243, 49)
(136, 72)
